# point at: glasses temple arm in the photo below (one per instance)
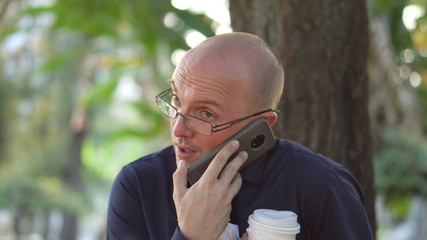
(229, 124)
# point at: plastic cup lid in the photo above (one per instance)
(273, 229)
(276, 218)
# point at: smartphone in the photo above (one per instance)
(256, 139)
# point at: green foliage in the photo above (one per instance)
(401, 37)
(401, 160)
(140, 21)
(401, 165)
(102, 92)
(422, 96)
(153, 124)
(34, 194)
(6, 32)
(399, 206)
(64, 58)
(3, 104)
(392, 10)
(77, 62)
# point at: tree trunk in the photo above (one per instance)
(260, 17)
(79, 128)
(17, 218)
(324, 48)
(46, 224)
(73, 175)
(69, 230)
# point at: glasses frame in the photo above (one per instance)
(214, 128)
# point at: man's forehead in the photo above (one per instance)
(199, 101)
(222, 80)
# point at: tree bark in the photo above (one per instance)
(74, 183)
(324, 48)
(78, 128)
(73, 175)
(260, 17)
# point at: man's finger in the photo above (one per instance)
(235, 185)
(180, 180)
(231, 168)
(220, 160)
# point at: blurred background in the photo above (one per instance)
(77, 86)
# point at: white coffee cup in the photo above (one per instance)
(272, 224)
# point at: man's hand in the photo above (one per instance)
(204, 209)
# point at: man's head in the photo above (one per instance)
(226, 77)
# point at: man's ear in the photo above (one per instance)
(271, 117)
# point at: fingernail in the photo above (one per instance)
(244, 154)
(235, 143)
(180, 163)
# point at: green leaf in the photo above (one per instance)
(102, 92)
(64, 58)
(153, 123)
(7, 32)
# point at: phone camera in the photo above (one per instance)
(257, 141)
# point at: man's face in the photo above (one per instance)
(210, 90)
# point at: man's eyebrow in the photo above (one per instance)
(171, 81)
(209, 102)
(173, 85)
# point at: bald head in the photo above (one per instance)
(249, 60)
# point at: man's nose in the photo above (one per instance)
(179, 129)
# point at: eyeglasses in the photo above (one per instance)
(163, 101)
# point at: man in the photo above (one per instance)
(218, 88)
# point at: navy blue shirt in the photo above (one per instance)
(326, 197)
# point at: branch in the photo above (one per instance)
(3, 10)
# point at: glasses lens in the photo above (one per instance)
(165, 106)
(198, 125)
(163, 101)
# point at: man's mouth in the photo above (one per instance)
(184, 153)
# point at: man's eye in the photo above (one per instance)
(207, 115)
(175, 99)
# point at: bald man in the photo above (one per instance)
(230, 80)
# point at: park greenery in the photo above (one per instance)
(78, 80)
